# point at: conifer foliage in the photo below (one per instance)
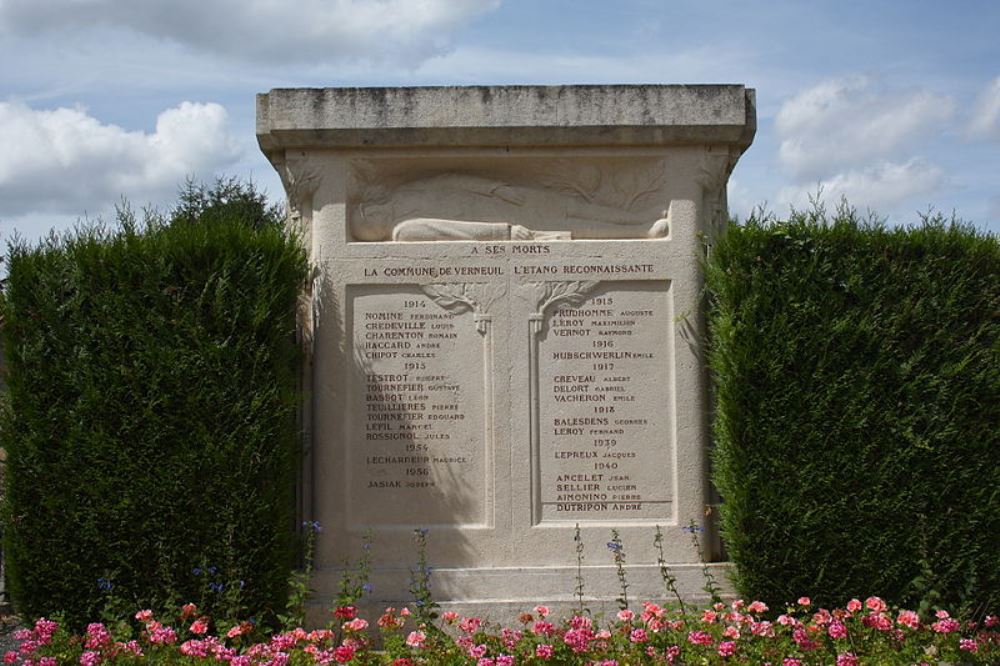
(150, 417)
(857, 371)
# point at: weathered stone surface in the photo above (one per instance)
(504, 335)
(505, 115)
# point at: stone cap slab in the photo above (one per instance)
(450, 116)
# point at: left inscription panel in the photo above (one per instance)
(418, 446)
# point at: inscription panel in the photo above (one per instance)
(417, 435)
(604, 419)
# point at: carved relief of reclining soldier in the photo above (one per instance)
(463, 207)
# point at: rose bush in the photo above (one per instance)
(868, 632)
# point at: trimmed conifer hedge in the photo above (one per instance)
(150, 422)
(858, 409)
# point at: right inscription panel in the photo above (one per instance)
(605, 432)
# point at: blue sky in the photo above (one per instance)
(895, 105)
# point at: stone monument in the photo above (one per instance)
(504, 335)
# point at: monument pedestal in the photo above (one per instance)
(505, 336)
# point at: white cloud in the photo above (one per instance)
(306, 31)
(880, 186)
(848, 123)
(986, 117)
(65, 161)
(740, 199)
(475, 64)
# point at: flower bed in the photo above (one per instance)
(739, 633)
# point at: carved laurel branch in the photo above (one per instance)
(622, 188)
(477, 297)
(546, 294)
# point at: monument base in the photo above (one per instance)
(499, 595)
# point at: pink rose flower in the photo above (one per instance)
(343, 654)
(837, 629)
(90, 659)
(97, 636)
(470, 625)
(875, 604)
(805, 601)
(163, 636)
(968, 645)
(946, 626)
(542, 611)
(416, 639)
(544, 651)
(541, 628)
(638, 636)
(346, 612)
(357, 624)
(854, 605)
(700, 638)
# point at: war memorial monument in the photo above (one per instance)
(504, 334)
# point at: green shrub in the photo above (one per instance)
(150, 422)
(858, 409)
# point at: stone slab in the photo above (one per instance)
(505, 115)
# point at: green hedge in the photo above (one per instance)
(858, 409)
(150, 421)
